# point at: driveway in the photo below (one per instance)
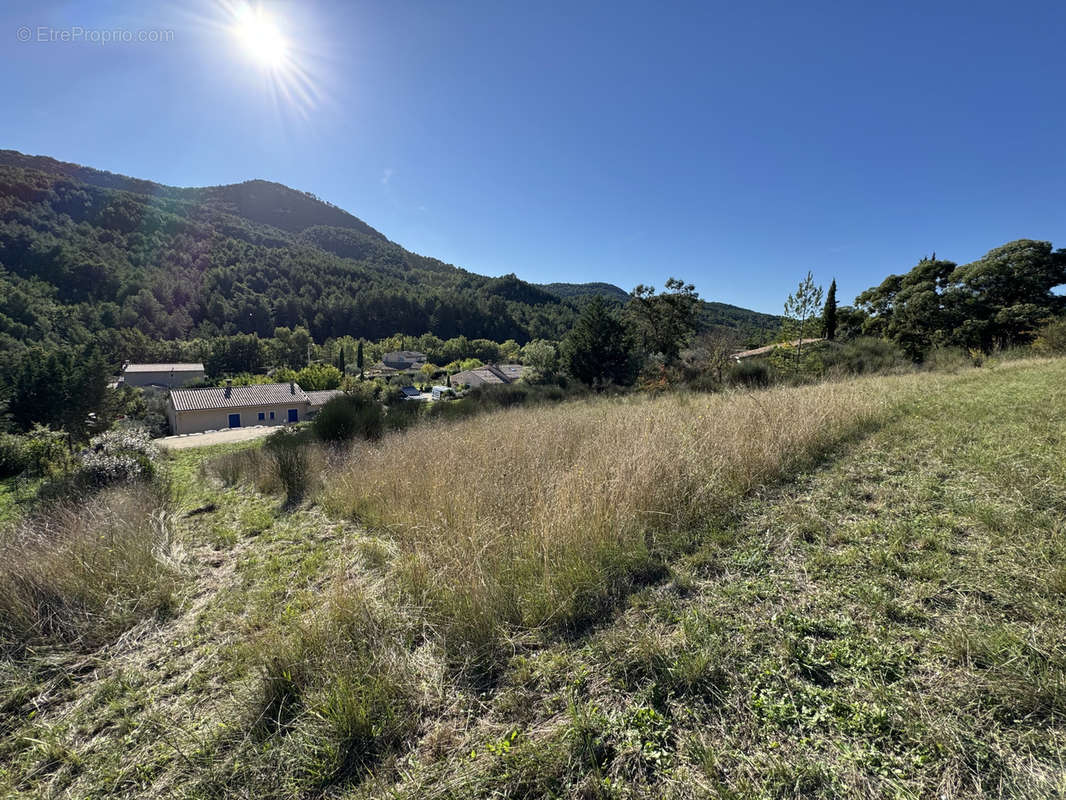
(215, 437)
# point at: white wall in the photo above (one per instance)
(218, 419)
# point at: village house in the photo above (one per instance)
(404, 360)
(765, 351)
(168, 376)
(487, 375)
(198, 410)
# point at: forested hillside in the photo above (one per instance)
(753, 327)
(84, 251)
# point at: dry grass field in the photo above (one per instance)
(856, 589)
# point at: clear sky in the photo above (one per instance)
(736, 145)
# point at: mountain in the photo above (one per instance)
(754, 326)
(85, 254)
(569, 291)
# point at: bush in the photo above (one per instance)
(14, 455)
(403, 414)
(46, 451)
(1051, 338)
(947, 359)
(344, 418)
(289, 454)
(118, 456)
(865, 355)
(751, 374)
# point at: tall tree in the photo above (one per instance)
(340, 361)
(914, 310)
(359, 358)
(599, 350)
(829, 313)
(664, 322)
(998, 299)
(800, 309)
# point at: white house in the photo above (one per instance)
(198, 410)
(168, 376)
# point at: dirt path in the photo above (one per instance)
(215, 437)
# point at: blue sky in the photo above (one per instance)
(736, 145)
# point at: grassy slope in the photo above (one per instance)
(889, 624)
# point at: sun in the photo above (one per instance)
(259, 35)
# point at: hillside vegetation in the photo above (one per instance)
(85, 252)
(853, 589)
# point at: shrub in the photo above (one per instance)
(14, 455)
(288, 450)
(865, 355)
(947, 359)
(118, 456)
(1051, 338)
(46, 451)
(344, 418)
(751, 374)
(403, 414)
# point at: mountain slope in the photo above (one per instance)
(754, 326)
(85, 253)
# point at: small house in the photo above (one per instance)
(167, 376)
(404, 360)
(318, 398)
(488, 375)
(198, 410)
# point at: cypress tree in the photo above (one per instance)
(829, 316)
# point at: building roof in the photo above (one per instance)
(163, 368)
(762, 351)
(478, 377)
(510, 371)
(319, 397)
(403, 357)
(263, 394)
(410, 391)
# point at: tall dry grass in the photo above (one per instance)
(543, 516)
(84, 572)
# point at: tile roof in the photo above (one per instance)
(762, 351)
(163, 368)
(320, 397)
(263, 394)
(511, 371)
(478, 377)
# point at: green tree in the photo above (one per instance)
(359, 358)
(800, 309)
(59, 389)
(1003, 297)
(340, 361)
(664, 322)
(599, 349)
(914, 310)
(829, 313)
(540, 358)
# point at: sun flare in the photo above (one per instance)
(260, 36)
